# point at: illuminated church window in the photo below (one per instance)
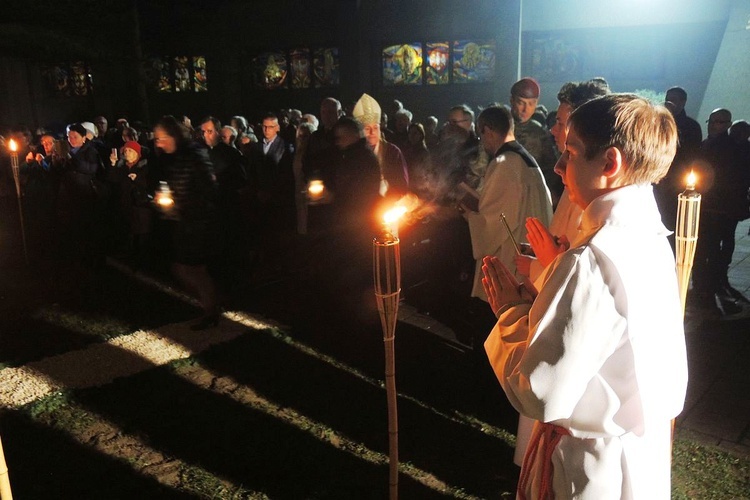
(473, 61)
(270, 70)
(177, 73)
(437, 63)
(200, 82)
(300, 68)
(402, 64)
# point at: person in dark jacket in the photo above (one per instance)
(41, 174)
(190, 177)
(132, 201)
(80, 209)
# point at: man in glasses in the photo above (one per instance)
(724, 205)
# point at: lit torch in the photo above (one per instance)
(686, 234)
(17, 178)
(387, 273)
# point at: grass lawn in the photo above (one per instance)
(292, 412)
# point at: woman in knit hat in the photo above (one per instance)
(129, 177)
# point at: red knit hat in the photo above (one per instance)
(132, 145)
(527, 88)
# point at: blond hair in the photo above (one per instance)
(645, 134)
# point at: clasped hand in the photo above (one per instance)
(501, 287)
(546, 246)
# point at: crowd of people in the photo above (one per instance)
(90, 193)
(548, 227)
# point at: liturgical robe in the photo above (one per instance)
(601, 353)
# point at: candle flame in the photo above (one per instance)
(165, 201)
(691, 178)
(394, 214)
(407, 204)
(316, 187)
(12, 145)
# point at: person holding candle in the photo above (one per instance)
(598, 358)
(191, 225)
(42, 173)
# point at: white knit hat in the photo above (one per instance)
(90, 127)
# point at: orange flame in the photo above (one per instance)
(691, 178)
(12, 145)
(394, 214)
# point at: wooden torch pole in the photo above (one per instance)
(387, 271)
(5, 493)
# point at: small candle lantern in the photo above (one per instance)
(316, 192)
(163, 196)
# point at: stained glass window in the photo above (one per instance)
(473, 61)
(182, 81)
(177, 73)
(326, 67)
(270, 70)
(159, 74)
(555, 58)
(402, 64)
(300, 68)
(72, 79)
(437, 68)
(200, 81)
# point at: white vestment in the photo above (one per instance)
(601, 353)
(565, 222)
(511, 187)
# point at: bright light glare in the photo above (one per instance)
(316, 187)
(12, 145)
(165, 201)
(394, 214)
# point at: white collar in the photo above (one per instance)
(632, 205)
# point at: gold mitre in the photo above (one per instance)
(367, 110)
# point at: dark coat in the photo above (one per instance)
(274, 175)
(728, 194)
(133, 196)
(190, 176)
(393, 169)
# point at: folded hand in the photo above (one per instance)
(546, 247)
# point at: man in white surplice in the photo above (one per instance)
(598, 359)
(513, 184)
